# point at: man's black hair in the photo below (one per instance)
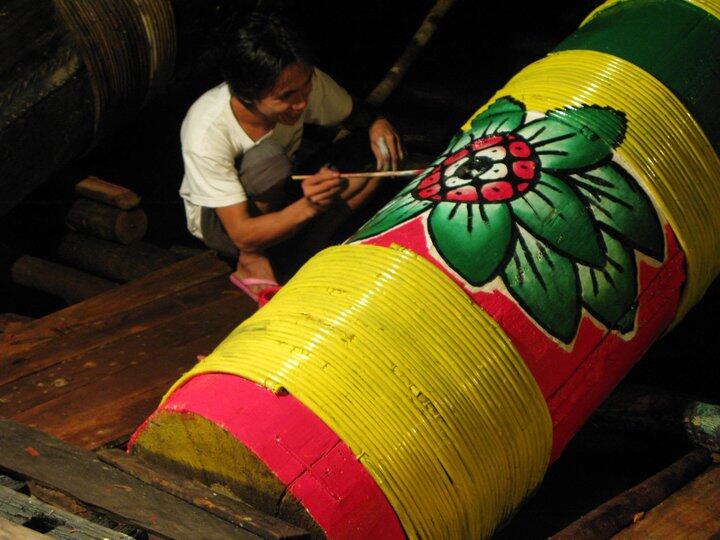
(256, 55)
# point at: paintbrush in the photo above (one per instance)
(381, 174)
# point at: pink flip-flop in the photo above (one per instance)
(264, 295)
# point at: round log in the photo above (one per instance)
(107, 222)
(99, 190)
(457, 341)
(114, 261)
(71, 285)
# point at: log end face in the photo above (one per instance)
(199, 449)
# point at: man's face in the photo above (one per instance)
(288, 98)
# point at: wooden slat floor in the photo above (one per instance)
(91, 373)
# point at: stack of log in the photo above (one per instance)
(104, 245)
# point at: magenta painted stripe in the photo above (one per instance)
(305, 454)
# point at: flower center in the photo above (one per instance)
(491, 169)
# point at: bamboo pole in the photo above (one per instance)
(418, 42)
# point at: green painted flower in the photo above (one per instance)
(541, 204)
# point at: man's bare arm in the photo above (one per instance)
(255, 233)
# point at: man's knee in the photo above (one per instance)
(263, 171)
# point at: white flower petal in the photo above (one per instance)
(456, 181)
(498, 170)
(495, 153)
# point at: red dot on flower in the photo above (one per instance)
(463, 194)
(456, 156)
(497, 191)
(524, 169)
(429, 180)
(487, 142)
(523, 186)
(429, 191)
(520, 149)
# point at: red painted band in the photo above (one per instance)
(303, 452)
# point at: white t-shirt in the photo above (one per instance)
(212, 140)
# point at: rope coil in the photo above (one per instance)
(128, 47)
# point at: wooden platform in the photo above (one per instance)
(91, 373)
(693, 512)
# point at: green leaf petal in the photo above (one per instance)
(545, 284)
(460, 139)
(502, 116)
(563, 146)
(472, 238)
(610, 124)
(402, 208)
(609, 293)
(553, 212)
(619, 203)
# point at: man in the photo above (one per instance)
(257, 117)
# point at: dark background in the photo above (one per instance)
(478, 47)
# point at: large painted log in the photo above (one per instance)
(419, 379)
(71, 70)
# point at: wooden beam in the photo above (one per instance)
(80, 474)
(12, 531)
(58, 523)
(691, 512)
(619, 512)
(194, 492)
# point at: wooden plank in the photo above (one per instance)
(200, 495)
(12, 531)
(92, 316)
(81, 475)
(12, 322)
(12, 483)
(693, 513)
(66, 502)
(136, 371)
(24, 509)
(90, 355)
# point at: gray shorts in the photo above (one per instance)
(214, 234)
(263, 172)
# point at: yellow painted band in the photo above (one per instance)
(421, 383)
(664, 146)
(711, 6)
